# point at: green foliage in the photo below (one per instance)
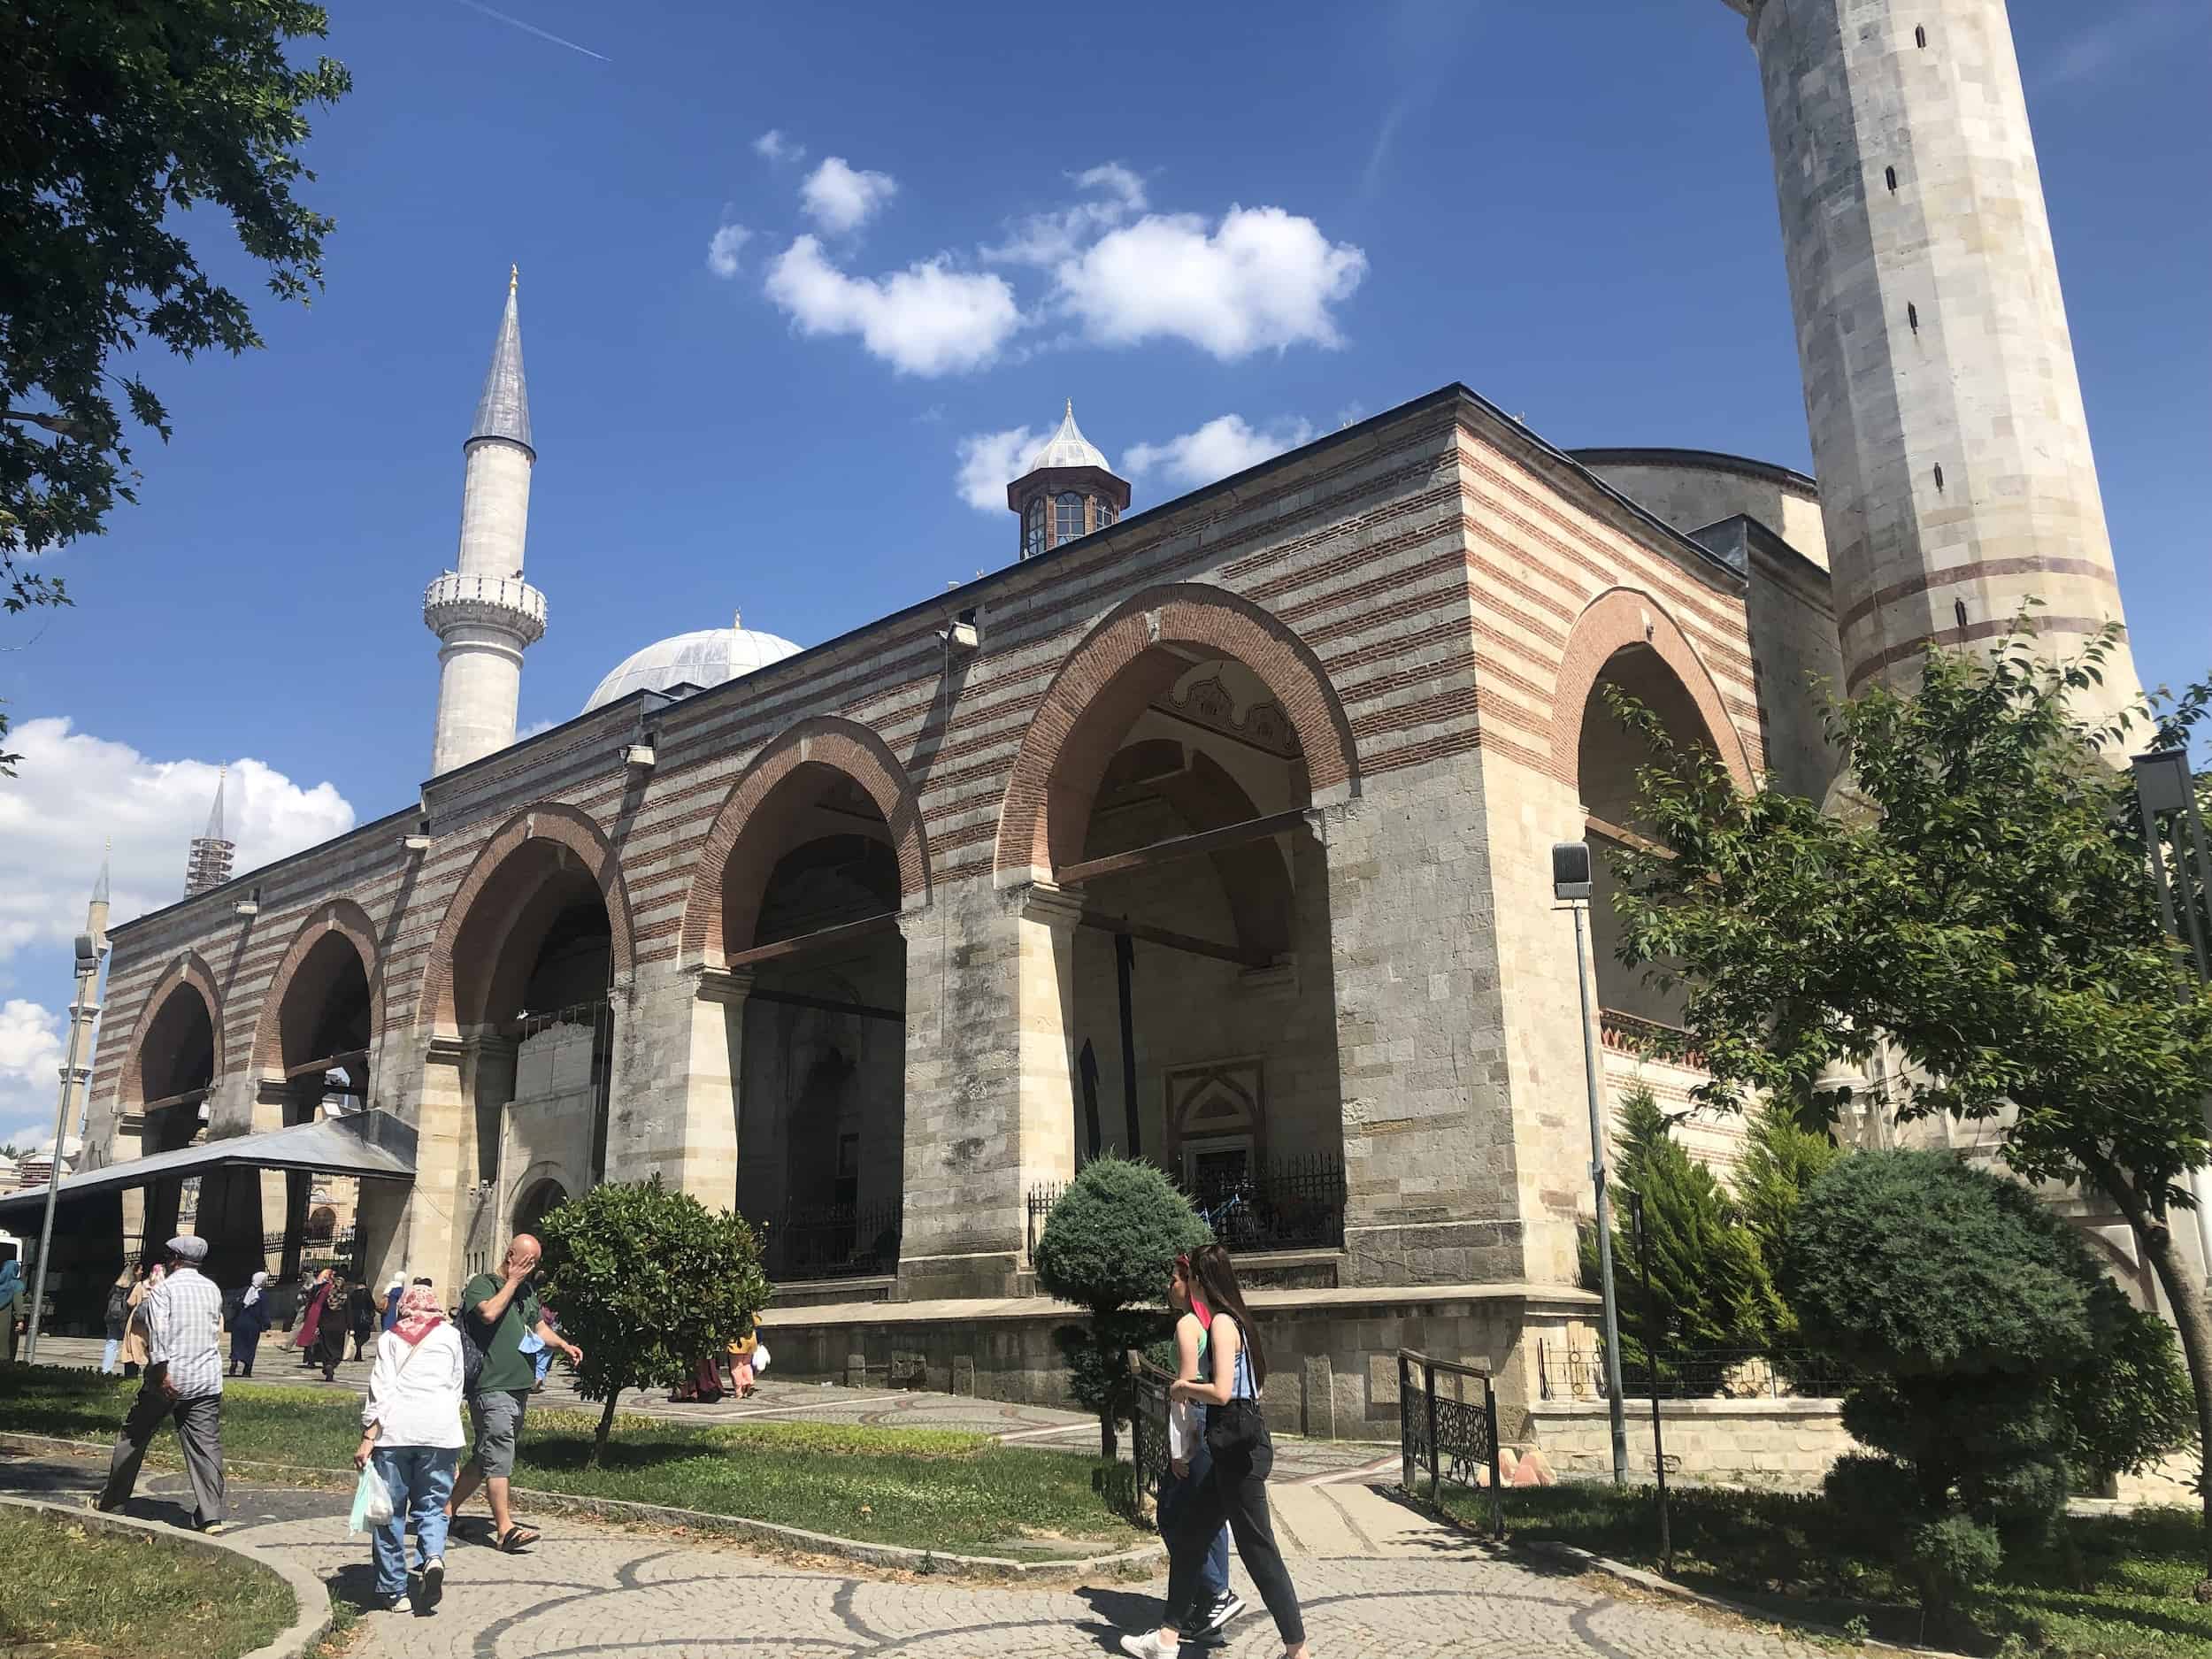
(118, 120)
(1708, 1287)
(648, 1280)
(1983, 908)
(1109, 1243)
(1993, 1348)
(136, 1595)
(1781, 1158)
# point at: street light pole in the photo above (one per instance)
(88, 971)
(2165, 786)
(1571, 885)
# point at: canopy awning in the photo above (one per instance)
(371, 1146)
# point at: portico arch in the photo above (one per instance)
(762, 811)
(1136, 652)
(334, 947)
(175, 1054)
(792, 928)
(1623, 620)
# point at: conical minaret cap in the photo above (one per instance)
(215, 813)
(503, 409)
(1067, 447)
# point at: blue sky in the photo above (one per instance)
(1570, 207)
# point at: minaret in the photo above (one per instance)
(209, 863)
(484, 614)
(1067, 490)
(1956, 482)
(86, 1012)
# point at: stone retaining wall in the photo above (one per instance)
(1786, 1443)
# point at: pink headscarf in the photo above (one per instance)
(420, 1314)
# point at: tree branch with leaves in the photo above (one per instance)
(116, 120)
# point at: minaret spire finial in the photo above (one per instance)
(514, 277)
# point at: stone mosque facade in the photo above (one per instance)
(1214, 830)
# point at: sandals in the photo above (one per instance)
(516, 1538)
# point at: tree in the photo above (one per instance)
(1985, 1338)
(1709, 1288)
(1781, 1160)
(117, 121)
(1987, 911)
(1108, 1246)
(646, 1281)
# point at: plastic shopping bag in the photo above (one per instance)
(760, 1357)
(371, 1502)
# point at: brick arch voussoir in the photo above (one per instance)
(1180, 613)
(339, 915)
(554, 821)
(842, 745)
(1623, 616)
(190, 969)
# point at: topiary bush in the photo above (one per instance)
(1993, 1350)
(1107, 1247)
(647, 1280)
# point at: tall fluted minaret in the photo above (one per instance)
(1955, 475)
(86, 1012)
(484, 614)
(209, 863)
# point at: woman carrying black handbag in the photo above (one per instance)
(1243, 1454)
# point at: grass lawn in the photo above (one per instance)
(95, 1593)
(2124, 1593)
(931, 1489)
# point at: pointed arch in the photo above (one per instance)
(188, 972)
(829, 741)
(504, 877)
(346, 918)
(1614, 621)
(1101, 687)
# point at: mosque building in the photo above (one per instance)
(1214, 831)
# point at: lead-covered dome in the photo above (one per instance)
(706, 657)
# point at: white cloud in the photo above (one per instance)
(724, 246)
(989, 461)
(1261, 278)
(1223, 445)
(72, 790)
(774, 146)
(927, 320)
(841, 197)
(30, 1072)
(1046, 239)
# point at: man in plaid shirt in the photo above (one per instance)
(184, 1381)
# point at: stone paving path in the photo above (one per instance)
(1377, 1581)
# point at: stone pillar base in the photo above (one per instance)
(989, 1273)
(1389, 1252)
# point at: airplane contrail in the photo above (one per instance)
(532, 28)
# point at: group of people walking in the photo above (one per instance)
(167, 1321)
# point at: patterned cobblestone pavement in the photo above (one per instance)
(1378, 1581)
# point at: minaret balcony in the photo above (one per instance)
(506, 603)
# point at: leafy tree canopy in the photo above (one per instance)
(118, 120)
(646, 1281)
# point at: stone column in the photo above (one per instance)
(686, 1131)
(431, 1231)
(990, 1098)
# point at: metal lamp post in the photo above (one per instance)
(87, 971)
(2165, 788)
(1571, 885)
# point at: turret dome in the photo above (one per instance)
(1067, 447)
(707, 656)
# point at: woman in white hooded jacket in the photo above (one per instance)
(410, 1427)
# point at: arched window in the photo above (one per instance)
(1105, 510)
(1067, 518)
(1034, 532)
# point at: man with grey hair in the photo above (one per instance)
(183, 1382)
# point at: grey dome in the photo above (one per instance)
(707, 657)
(1067, 447)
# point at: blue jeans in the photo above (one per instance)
(108, 1353)
(1175, 1493)
(544, 1357)
(420, 1479)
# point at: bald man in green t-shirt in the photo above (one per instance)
(499, 1310)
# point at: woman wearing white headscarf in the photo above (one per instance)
(411, 1426)
(247, 1324)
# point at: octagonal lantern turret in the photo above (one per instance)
(1066, 491)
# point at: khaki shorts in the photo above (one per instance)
(497, 1415)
